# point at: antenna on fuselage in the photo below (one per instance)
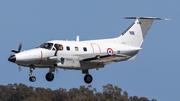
(77, 38)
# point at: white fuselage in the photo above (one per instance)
(72, 53)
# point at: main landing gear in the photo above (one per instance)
(49, 76)
(87, 78)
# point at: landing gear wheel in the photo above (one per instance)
(88, 78)
(32, 78)
(49, 76)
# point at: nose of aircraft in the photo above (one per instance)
(12, 58)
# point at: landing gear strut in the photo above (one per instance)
(31, 78)
(49, 76)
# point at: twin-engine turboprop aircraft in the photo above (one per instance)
(85, 55)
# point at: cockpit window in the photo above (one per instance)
(59, 47)
(46, 45)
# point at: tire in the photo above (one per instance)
(88, 78)
(32, 78)
(49, 76)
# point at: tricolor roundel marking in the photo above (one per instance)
(109, 51)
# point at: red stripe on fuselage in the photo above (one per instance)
(41, 57)
(93, 48)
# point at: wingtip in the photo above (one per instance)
(167, 19)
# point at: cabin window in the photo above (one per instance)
(68, 48)
(59, 47)
(85, 49)
(131, 32)
(76, 49)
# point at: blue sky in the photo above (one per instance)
(153, 74)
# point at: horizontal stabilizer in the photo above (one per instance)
(154, 18)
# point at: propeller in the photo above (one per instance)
(56, 52)
(57, 70)
(15, 51)
(19, 68)
(52, 57)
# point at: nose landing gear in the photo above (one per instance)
(31, 78)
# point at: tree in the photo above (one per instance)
(143, 99)
(22, 92)
(117, 91)
(125, 94)
(108, 91)
(135, 98)
(99, 97)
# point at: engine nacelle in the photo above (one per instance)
(68, 61)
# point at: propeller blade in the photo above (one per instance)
(19, 68)
(15, 51)
(57, 70)
(56, 52)
(20, 45)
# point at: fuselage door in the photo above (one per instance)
(96, 49)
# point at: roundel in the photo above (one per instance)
(109, 51)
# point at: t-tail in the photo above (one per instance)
(134, 35)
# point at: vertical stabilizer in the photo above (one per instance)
(134, 35)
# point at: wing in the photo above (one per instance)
(106, 59)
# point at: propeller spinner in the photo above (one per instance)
(12, 58)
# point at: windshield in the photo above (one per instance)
(46, 45)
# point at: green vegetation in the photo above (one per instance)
(22, 92)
